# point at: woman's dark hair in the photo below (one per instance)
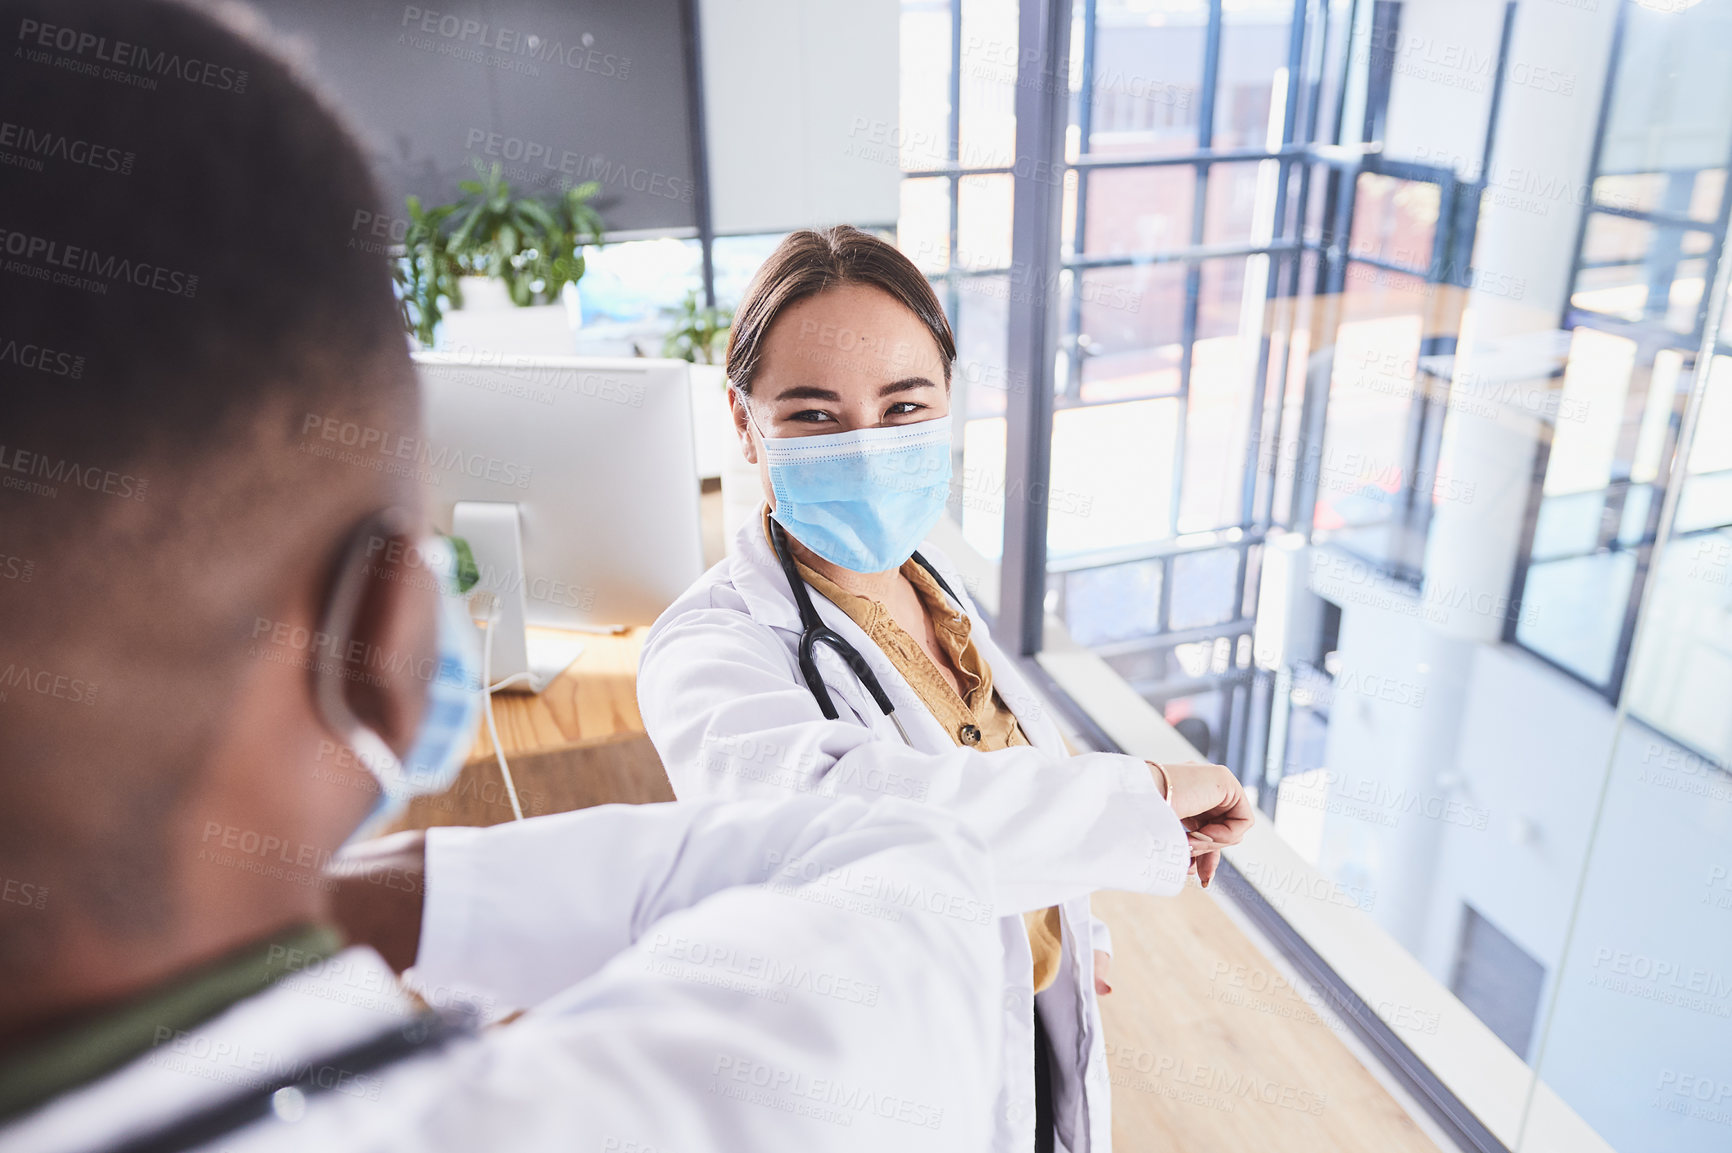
(809, 262)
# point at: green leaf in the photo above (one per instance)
(468, 572)
(533, 244)
(538, 217)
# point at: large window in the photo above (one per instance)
(1382, 448)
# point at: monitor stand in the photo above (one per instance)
(494, 532)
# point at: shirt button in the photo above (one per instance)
(969, 734)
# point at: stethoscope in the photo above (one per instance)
(814, 632)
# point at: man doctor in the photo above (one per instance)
(827, 655)
(222, 650)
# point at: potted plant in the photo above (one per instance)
(528, 247)
(700, 334)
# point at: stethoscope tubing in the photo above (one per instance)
(814, 632)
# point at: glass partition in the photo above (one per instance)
(1391, 464)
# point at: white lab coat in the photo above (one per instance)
(721, 695)
(679, 1005)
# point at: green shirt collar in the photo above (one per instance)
(80, 1053)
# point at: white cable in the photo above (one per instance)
(492, 728)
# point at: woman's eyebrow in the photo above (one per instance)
(808, 392)
(813, 392)
(906, 385)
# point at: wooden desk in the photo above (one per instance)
(595, 697)
(580, 742)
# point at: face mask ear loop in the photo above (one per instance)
(336, 627)
(751, 416)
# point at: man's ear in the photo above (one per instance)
(392, 653)
(742, 424)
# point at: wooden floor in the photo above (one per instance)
(1210, 1049)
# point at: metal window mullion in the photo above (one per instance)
(1178, 255)
(1303, 171)
(953, 157)
(700, 147)
(1499, 82)
(1194, 268)
(1201, 155)
(1085, 132)
(1619, 486)
(1677, 471)
(1681, 221)
(1346, 68)
(1260, 378)
(953, 196)
(1112, 558)
(952, 277)
(1442, 264)
(1262, 504)
(1231, 629)
(1614, 55)
(1379, 263)
(1163, 611)
(955, 170)
(1242, 741)
(1314, 410)
(1314, 101)
(1187, 358)
(1380, 75)
(1042, 98)
(1425, 423)
(1234, 715)
(1665, 252)
(1241, 570)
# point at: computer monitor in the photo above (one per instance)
(574, 481)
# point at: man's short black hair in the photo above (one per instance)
(176, 242)
(180, 287)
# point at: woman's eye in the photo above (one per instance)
(903, 408)
(811, 416)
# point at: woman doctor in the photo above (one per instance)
(832, 653)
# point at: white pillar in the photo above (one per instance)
(1537, 185)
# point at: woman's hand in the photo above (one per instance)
(1212, 805)
(1102, 959)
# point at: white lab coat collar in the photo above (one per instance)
(336, 1002)
(756, 574)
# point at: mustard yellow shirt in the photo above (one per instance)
(976, 717)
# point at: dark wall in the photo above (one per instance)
(555, 91)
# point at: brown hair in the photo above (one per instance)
(810, 261)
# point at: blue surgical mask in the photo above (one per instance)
(454, 693)
(863, 499)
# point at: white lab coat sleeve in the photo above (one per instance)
(851, 1002)
(517, 912)
(1100, 936)
(725, 706)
